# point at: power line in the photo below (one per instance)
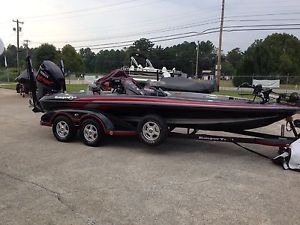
(167, 30)
(193, 32)
(234, 16)
(86, 10)
(61, 16)
(264, 14)
(261, 20)
(213, 21)
(249, 4)
(89, 9)
(184, 26)
(263, 29)
(131, 41)
(264, 25)
(210, 31)
(178, 27)
(83, 10)
(145, 33)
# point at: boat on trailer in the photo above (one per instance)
(152, 114)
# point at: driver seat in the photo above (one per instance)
(131, 88)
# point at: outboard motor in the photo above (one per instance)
(49, 79)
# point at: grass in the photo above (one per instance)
(4, 73)
(70, 87)
(290, 86)
(233, 93)
(8, 86)
(228, 83)
(76, 87)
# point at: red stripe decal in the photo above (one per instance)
(171, 101)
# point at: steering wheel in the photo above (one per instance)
(158, 90)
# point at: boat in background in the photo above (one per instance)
(23, 83)
(140, 73)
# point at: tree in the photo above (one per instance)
(44, 52)
(72, 60)
(181, 56)
(274, 57)
(140, 49)
(143, 45)
(107, 60)
(207, 56)
(286, 65)
(234, 57)
(232, 62)
(228, 69)
(88, 58)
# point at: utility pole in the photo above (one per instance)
(220, 47)
(18, 29)
(26, 44)
(197, 60)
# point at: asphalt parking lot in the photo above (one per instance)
(43, 181)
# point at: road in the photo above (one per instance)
(43, 181)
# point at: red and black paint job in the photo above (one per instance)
(198, 111)
(133, 111)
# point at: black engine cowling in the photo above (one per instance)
(49, 79)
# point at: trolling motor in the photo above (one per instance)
(264, 94)
(49, 80)
(258, 91)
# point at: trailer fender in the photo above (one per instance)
(101, 118)
(77, 116)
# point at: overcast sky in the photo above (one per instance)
(110, 23)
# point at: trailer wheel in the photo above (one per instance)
(91, 132)
(63, 129)
(152, 130)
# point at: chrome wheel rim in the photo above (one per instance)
(62, 129)
(90, 133)
(151, 131)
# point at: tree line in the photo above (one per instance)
(278, 55)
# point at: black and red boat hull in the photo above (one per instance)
(196, 111)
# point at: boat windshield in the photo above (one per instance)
(131, 88)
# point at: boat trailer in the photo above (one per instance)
(281, 141)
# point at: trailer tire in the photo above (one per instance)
(63, 129)
(91, 132)
(152, 130)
